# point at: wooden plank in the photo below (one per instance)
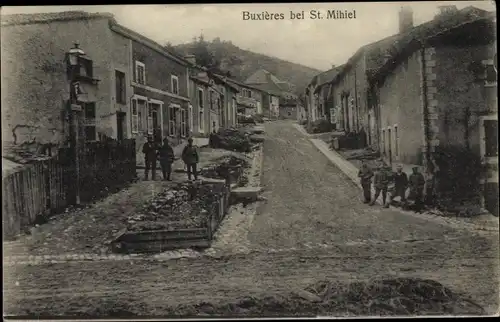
(8, 213)
(28, 195)
(163, 235)
(161, 246)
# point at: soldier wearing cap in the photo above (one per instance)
(150, 149)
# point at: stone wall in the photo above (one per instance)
(401, 112)
(35, 84)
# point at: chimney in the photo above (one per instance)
(405, 19)
(333, 66)
(191, 59)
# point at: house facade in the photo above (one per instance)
(440, 92)
(249, 100)
(129, 87)
(160, 105)
(200, 85)
(274, 91)
(319, 101)
(34, 57)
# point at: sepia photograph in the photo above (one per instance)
(250, 160)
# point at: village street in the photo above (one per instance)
(311, 227)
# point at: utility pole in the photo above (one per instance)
(74, 110)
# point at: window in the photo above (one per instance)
(174, 80)
(249, 93)
(200, 98)
(135, 117)
(89, 122)
(211, 99)
(142, 113)
(190, 116)
(396, 141)
(201, 121)
(172, 120)
(491, 138)
(140, 73)
(150, 118)
(120, 87)
(383, 141)
(86, 68)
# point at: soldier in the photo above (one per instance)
(149, 149)
(191, 159)
(417, 183)
(381, 182)
(167, 157)
(400, 184)
(365, 174)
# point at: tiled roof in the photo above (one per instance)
(19, 19)
(378, 53)
(262, 76)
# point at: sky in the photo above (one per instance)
(317, 43)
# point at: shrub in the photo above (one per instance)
(303, 122)
(243, 119)
(259, 118)
(230, 139)
(319, 126)
(458, 175)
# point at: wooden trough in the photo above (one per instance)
(157, 241)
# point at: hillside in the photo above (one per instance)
(242, 63)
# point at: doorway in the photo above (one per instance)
(155, 111)
(120, 125)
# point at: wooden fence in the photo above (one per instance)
(36, 190)
(48, 186)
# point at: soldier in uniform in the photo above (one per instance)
(365, 174)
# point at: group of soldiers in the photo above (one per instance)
(383, 177)
(165, 153)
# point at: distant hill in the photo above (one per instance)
(242, 63)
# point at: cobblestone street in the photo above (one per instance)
(311, 226)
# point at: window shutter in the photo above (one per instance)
(135, 117)
(150, 118)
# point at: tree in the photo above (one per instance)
(204, 56)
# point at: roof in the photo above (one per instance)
(261, 77)
(23, 19)
(129, 33)
(241, 84)
(379, 52)
(481, 30)
(227, 81)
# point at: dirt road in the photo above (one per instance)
(313, 227)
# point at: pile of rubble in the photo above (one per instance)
(229, 166)
(231, 139)
(390, 297)
(184, 205)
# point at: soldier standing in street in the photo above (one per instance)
(166, 155)
(365, 174)
(149, 149)
(381, 182)
(417, 183)
(400, 184)
(191, 159)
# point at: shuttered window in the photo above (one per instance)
(135, 117)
